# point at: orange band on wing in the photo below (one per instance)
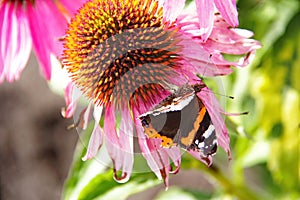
(187, 141)
(165, 141)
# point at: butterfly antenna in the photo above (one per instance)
(223, 95)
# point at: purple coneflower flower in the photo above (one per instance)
(28, 23)
(127, 57)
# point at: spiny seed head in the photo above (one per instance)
(120, 50)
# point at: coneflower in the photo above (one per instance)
(128, 57)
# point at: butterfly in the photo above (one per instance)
(182, 119)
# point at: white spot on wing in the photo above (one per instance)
(209, 131)
(201, 145)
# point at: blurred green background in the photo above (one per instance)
(264, 143)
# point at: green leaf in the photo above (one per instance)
(103, 186)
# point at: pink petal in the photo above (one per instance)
(164, 159)
(241, 62)
(84, 117)
(119, 146)
(46, 36)
(156, 157)
(56, 24)
(189, 25)
(192, 49)
(175, 154)
(71, 100)
(171, 9)
(95, 142)
(228, 10)
(96, 138)
(97, 113)
(224, 33)
(205, 159)
(209, 60)
(204, 69)
(226, 40)
(111, 136)
(152, 159)
(205, 10)
(2, 13)
(237, 48)
(40, 43)
(15, 41)
(197, 59)
(126, 139)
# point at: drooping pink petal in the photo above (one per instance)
(143, 140)
(2, 14)
(126, 139)
(225, 33)
(198, 155)
(239, 47)
(45, 36)
(24, 45)
(196, 56)
(205, 10)
(84, 117)
(175, 154)
(71, 100)
(15, 41)
(192, 49)
(40, 41)
(204, 69)
(7, 20)
(206, 58)
(171, 9)
(164, 159)
(96, 138)
(113, 143)
(156, 157)
(227, 40)
(245, 49)
(56, 24)
(228, 10)
(244, 60)
(119, 145)
(95, 143)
